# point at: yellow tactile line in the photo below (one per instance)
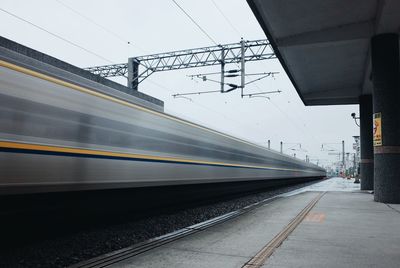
(79, 151)
(111, 98)
(261, 257)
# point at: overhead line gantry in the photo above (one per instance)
(238, 53)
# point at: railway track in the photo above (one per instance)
(258, 260)
(122, 254)
(65, 238)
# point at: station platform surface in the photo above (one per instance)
(344, 228)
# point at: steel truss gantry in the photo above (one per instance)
(241, 52)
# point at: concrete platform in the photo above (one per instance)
(345, 228)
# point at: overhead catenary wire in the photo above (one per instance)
(226, 18)
(312, 137)
(112, 33)
(55, 35)
(260, 78)
(195, 93)
(256, 94)
(230, 72)
(93, 22)
(233, 86)
(198, 26)
(246, 125)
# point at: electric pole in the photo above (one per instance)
(343, 159)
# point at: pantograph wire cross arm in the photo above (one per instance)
(189, 58)
(109, 70)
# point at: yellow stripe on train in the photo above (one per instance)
(80, 151)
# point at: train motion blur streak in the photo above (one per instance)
(59, 136)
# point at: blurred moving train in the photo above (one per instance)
(58, 133)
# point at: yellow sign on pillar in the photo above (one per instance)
(377, 129)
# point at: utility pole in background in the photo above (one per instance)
(343, 160)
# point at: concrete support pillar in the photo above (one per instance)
(386, 99)
(367, 149)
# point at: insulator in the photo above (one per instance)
(233, 71)
(233, 85)
(232, 75)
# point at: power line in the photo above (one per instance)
(93, 22)
(196, 93)
(198, 26)
(117, 36)
(313, 138)
(159, 85)
(208, 108)
(56, 35)
(310, 135)
(226, 18)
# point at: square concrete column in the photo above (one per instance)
(386, 100)
(367, 149)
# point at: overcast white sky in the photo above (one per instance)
(154, 26)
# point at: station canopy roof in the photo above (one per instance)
(324, 45)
